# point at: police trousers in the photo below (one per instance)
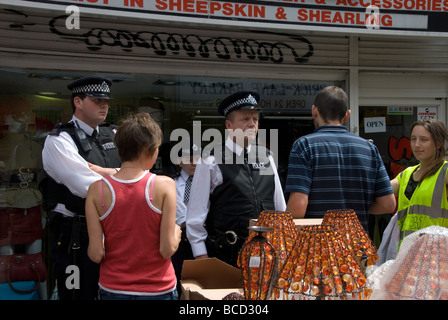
(71, 284)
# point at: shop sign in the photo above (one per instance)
(375, 124)
(426, 113)
(276, 96)
(398, 110)
(415, 17)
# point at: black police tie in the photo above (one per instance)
(246, 157)
(187, 189)
(95, 134)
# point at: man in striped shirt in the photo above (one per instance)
(335, 169)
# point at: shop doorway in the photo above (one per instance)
(290, 128)
(388, 127)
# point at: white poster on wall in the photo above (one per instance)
(425, 113)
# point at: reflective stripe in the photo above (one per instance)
(432, 212)
(405, 233)
(401, 214)
(437, 196)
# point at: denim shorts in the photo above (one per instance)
(106, 295)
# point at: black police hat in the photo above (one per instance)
(95, 87)
(242, 100)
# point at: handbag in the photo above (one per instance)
(20, 226)
(21, 291)
(22, 267)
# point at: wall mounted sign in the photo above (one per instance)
(400, 110)
(413, 17)
(426, 113)
(375, 124)
(276, 95)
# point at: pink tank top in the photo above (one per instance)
(132, 262)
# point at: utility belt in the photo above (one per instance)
(224, 246)
(68, 237)
(183, 237)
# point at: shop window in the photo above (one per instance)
(388, 128)
(39, 99)
(34, 101)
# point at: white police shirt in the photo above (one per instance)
(62, 161)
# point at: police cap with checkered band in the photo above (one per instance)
(241, 100)
(95, 87)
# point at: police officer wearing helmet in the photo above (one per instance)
(75, 155)
(232, 185)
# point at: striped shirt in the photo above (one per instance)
(337, 170)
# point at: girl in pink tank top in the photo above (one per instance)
(131, 219)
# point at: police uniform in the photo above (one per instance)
(181, 180)
(230, 187)
(65, 182)
(184, 250)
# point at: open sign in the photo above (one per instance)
(375, 124)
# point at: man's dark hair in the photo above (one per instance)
(332, 103)
(81, 95)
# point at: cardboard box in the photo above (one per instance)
(298, 222)
(209, 279)
(213, 279)
(306, 222)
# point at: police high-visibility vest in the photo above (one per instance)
(428, 205)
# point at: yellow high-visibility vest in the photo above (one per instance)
(428, 205)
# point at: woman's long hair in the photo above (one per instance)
(439, 134)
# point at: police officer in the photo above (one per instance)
(188, 156)
(76, 154)
(232, 185)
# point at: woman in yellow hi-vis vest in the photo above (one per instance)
(421, 189)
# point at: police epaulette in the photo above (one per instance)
(60, 126)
